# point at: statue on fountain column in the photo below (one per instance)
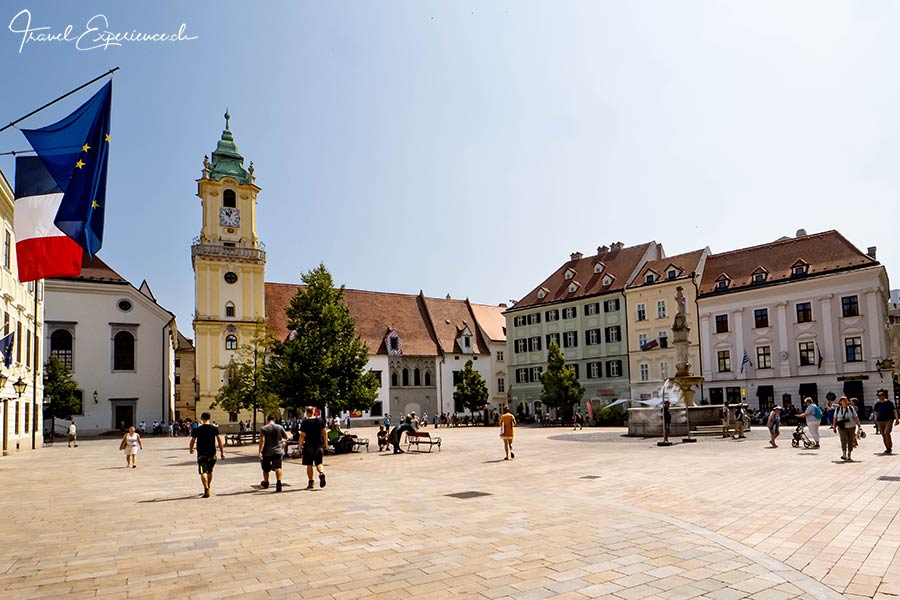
(680, 331)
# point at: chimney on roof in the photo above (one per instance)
(871, 252)
(602, 249)
(503, 305)
(801, 233)
(617, 246)
(576, 255)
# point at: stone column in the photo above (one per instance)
(784, 366)
(826, 344)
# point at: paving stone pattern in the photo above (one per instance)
(609, 517)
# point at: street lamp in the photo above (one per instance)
(20, 386)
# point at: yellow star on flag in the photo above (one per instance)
(80, 163)
(106, 139)
(85, 148)
(94, 204)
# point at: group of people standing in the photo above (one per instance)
(843, 419)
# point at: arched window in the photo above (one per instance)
(229, 309)
(231, 342)
(417, 377)
(405, 376)
(393, 378)
(61, 347)
(228, 199)
(123, 351)
(427, 378)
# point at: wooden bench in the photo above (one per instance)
(238, 439)
(417, 438)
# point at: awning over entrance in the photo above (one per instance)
(809, 390)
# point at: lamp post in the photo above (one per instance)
(3, 380)
(19, 386)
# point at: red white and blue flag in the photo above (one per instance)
(65, 203)
(43, 250)
(650, 345)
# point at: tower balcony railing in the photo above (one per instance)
(199, 248)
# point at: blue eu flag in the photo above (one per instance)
(76, 150)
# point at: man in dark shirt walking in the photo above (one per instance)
(313, 444)
(205, 437)
(271, 451)
(886, 416)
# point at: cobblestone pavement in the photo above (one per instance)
(609, 517)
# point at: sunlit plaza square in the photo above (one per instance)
(576, 514)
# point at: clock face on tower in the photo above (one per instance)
(229, 217)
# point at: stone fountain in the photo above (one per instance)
(685, 415)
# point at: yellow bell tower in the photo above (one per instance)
(229, 268)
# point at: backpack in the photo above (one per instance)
(818, 411)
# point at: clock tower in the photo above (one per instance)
(229, 267)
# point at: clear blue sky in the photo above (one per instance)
(468, 147)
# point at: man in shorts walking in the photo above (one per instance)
(886, 416)
(313, 444)
(271, 451)
(205, 437)
(507, 432)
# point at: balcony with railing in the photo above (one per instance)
(219, 250)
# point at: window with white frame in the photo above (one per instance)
(663, 339)
(853, 347)
(613, 334)
(593, 370)
(500, 355)
(569, 312)
(570, 339)
(661, 309)
(592, 337)
(614, 368)
(641, 312)
(663, 370)
(521, 345)
(501, 385)
(642, 339)
(536, 374)
(534, 343)
(645, 372)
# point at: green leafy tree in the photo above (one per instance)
(323, 362)
(246, 386)
(471, 391)
(559, 384)
(60, 392)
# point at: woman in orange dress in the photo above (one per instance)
(507, 428)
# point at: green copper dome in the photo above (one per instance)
(226, 160)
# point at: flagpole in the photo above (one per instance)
(51, 103)
(34, 367)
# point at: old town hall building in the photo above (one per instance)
(417, 345)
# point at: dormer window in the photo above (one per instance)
(799, 268)
(228, 199)
(607, 281)
(759, 275)
(395, 343)
(570, 273)
(392, 341)
(467, 342)
(722, 282)
(649, 278)
(573, 287)
(542, 293)
(598, 268)
(672, 274)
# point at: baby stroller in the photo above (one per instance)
(801, 437)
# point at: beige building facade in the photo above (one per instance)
(650, 312)
(20, 413)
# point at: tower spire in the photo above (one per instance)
(226, 160)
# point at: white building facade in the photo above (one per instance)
(118, 343)
(809, 312)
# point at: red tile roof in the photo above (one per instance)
(420, 322)
(619, 263)
(825, 252)
(687, 263)
(491, 320)
(94, 269)
(449, 318)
